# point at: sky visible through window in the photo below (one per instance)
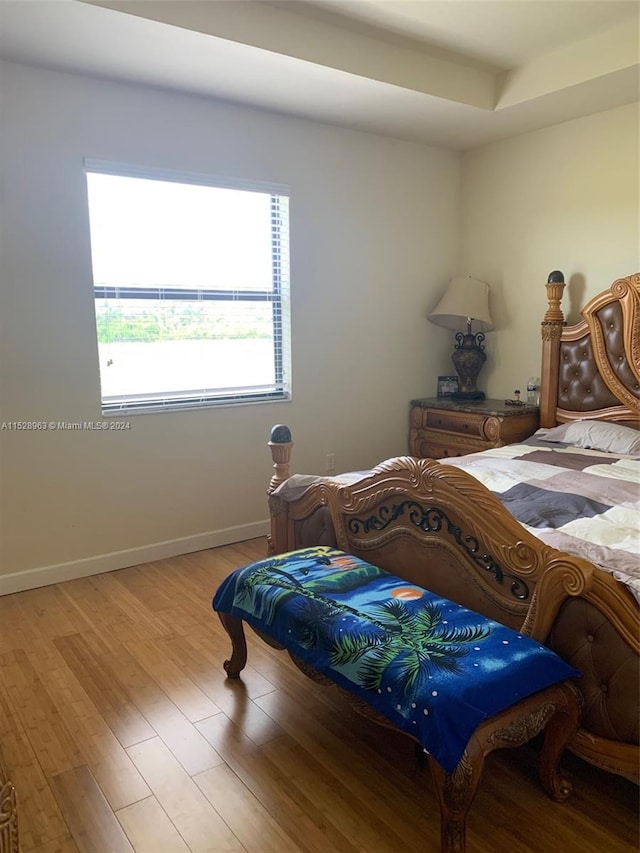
(159, 234)
(162, 234)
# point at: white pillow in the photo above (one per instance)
(597, 435)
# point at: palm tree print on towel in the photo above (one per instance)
(393, 646)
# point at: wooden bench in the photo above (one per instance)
(325, 582)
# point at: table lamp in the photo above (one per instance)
(466, 300)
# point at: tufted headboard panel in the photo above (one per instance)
(581, 388)
(592, 369)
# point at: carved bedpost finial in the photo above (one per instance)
(280, 444)
(555, 287)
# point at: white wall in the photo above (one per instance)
(374, 238)
(565, 198)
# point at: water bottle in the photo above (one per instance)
(531, 391)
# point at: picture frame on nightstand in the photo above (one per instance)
(447, 386)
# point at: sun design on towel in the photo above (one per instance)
(406, 593)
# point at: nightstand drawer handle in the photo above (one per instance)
(453, 422)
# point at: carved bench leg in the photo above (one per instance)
(560, 729)
(555, 709)
(234, 628)
(455, 792)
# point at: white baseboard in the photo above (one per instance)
(45, 575)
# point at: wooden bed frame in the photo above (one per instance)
(438, 527)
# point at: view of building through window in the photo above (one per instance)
(191, 287)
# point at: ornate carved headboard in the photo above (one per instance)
(592, 369)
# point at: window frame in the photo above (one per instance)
(278, 296)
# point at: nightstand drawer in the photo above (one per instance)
(463, 422)
(428, 444)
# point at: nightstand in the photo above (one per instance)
(440, 426)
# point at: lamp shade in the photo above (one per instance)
(464, 299)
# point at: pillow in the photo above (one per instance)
(597, 435)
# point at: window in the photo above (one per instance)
(191, 284)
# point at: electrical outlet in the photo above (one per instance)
(330, 463)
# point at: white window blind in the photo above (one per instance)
(191, 286)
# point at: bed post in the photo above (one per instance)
(552, 326)
(280, 445)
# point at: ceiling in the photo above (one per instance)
(457, 73)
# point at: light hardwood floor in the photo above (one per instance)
(122, 733)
